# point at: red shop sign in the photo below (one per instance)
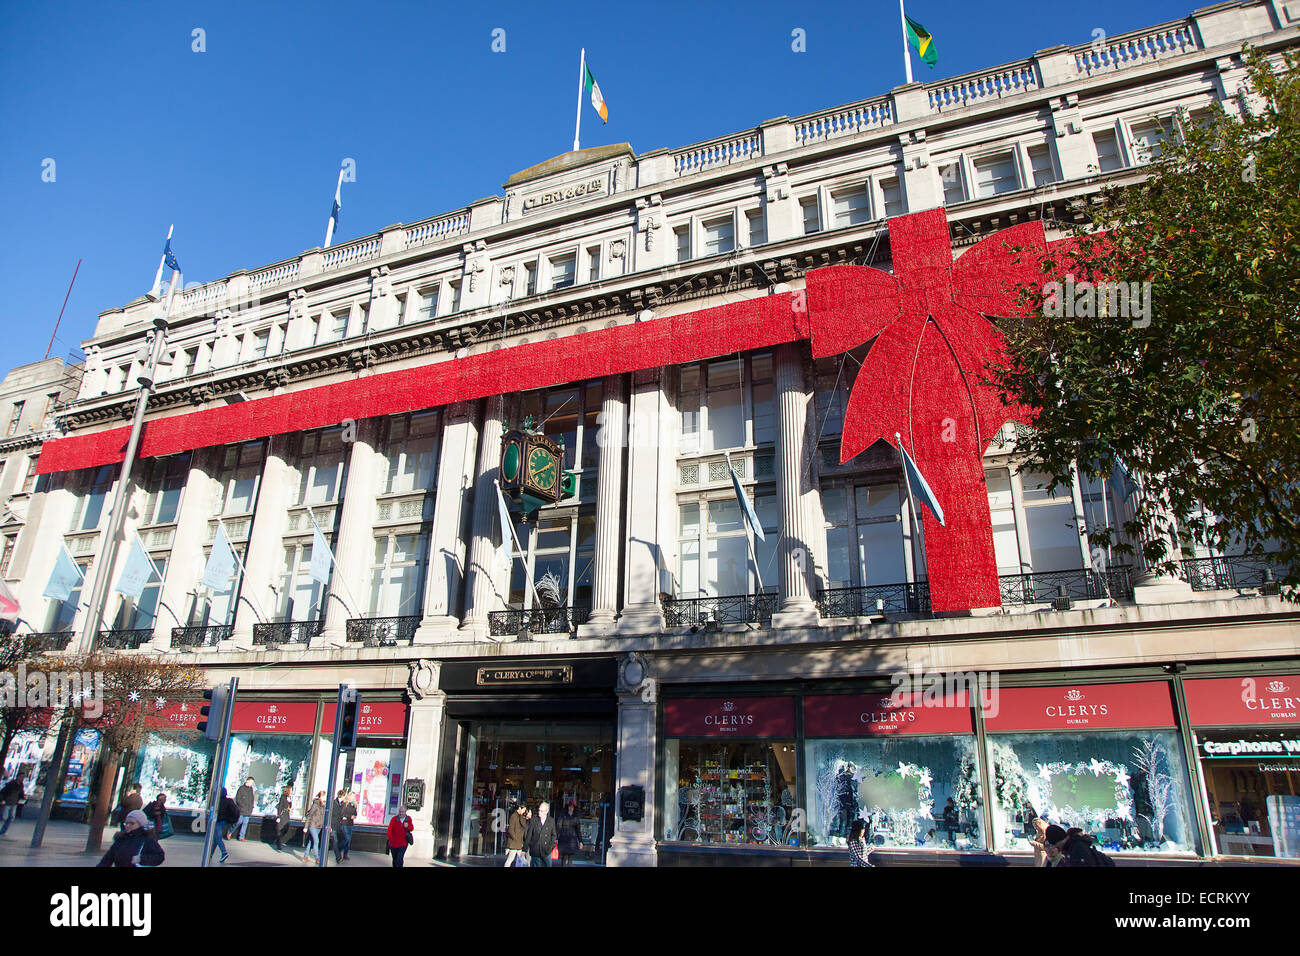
(377, 719)
(1080, 707)
(274, 717)
(1233, 701)
(730, 717)
(182, 716)
(877, 715)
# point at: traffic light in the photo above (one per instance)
(212, 715)
(348, 722)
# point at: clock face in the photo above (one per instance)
(543, 471)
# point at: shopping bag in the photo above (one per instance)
(555, 853)
(521, 859)
(166, 829)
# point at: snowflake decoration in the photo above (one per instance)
(1097, 767)
(159, 703)
(133, 696)
(77, 695)
(926, 779)
(1045, 771)
(1121, 776)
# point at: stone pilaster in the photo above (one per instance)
(481, 574)
(354, 548)
(609, 506)
(1150, 584)
(649, 437)
(795, 550)
(265, 542)
(424, 743)
(633, 843)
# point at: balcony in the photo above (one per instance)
(209, 635)
(382, 631)
(124, 638)
(1083, 584)
(904, 598)
(286, 632)
(1233, 573)
(538, 620)
(733, 609)
(47, 640)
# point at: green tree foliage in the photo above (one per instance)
(1201, 398)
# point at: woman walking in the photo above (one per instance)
(156, 811)
(284, 818)
(401, 832)
(134, 844)
(858, 851)
(315, 824)
(568, 830)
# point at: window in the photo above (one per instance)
(260, 342)
(90, 504)
(6, 554)
(240, 475)
(51, 400)
(15, 414)
(1040, 161)
(757, 227)
(411, 450)
(364, 327)
(850, 207)
(1108, 155)
(397, 574)
(683, 236)
(892, 193)
(301, 598)
(1006, 545)
(563, 271)
(399, 310)
(455, 295)
(143, 612)
(164, 482)
(1147, 138)
(866, 535)
(812, 221)
(62, 614)
(727, 403)
(719, 236)
(428, 305)
(320, 467)
(218, 607)
(560, 551)
(185, 359)
(29, 480)
(569, 416)
(1050, 523)
(338, 325)
(995, 175)
(717, 549)
(953, 189)
(730, 791)
(593, 263)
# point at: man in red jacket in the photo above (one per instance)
(400, 830)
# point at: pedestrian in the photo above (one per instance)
(11, 794)
(401, 834)
(246, 800)
(156, 810)
(284, 818)
(541, 836)
(134, 844)
(515, 834)
(951, 820)
(1077, 848)
(314, 825)
(568, 829)
(131, 800)
(345, 813)
(858, 852)
(227, 817)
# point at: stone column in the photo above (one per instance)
(423, 745)
(354, 548)
(633, 843)
(609, 507)
(444, 584)
(480, 588)
(795, 550)
(186, 564)
(265, 543)
(1150, 584)
(648, 437)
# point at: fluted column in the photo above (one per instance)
(648, 524)
(609, 506)
(265, 543)
(480, 588)
(794, 554)
(355, 545)
(444, 584)
(1150, 584)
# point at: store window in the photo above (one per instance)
(90, 503)
(164, 482)
(730, 771)
(411, 450)
(559, 550)
(1247, 736)
(321, 467)
(995, 175)
(174, 759)
(905, 766)
(1102, 757)
(375, 769)
(867, 534)
(397, 573)
(241, 473)
(717, 550)
(727, 403)
(300, 596)
(1054, 535)
(272, 743)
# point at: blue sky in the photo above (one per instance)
(240, 145)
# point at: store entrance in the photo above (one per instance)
(559, 762)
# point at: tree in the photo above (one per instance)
(21, 656)
(1200, 397)
(133, 686)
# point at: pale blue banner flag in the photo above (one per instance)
(320, 557)
(221, 564)
(745, 506)
(137, 573)
(65, 576)
(919, 485)
(503, 515)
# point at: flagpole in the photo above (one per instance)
(748, 539)
(913, 516)
(520, 552)
(157, 279)
(243, 573)
(907, 54)
(338, 204)
(334, 561)
(582, 77)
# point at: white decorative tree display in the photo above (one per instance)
(1151, 760)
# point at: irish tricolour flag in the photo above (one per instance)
(597, 101)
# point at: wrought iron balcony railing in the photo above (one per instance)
(1231, 573)
(47, 640)
(201, 635)
(731, 609)
(124, 638)
(904, 598)
(287, 632)
(382, 631)
(1083, 584)
(540, 620)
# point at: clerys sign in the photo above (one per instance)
(1238, 701)
(730, 717)
(180, 716)
(886, 715)
(376, 719)
(1082, 707)
(274, 717)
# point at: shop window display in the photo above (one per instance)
(81, 766)
(274, 761)
(911, 791)
(1252, 788)
(177, 765)
(1127, 789)
(733, 792)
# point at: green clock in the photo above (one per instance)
(543, 470)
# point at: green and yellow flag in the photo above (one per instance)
(920, 38)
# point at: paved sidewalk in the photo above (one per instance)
(65, 840)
